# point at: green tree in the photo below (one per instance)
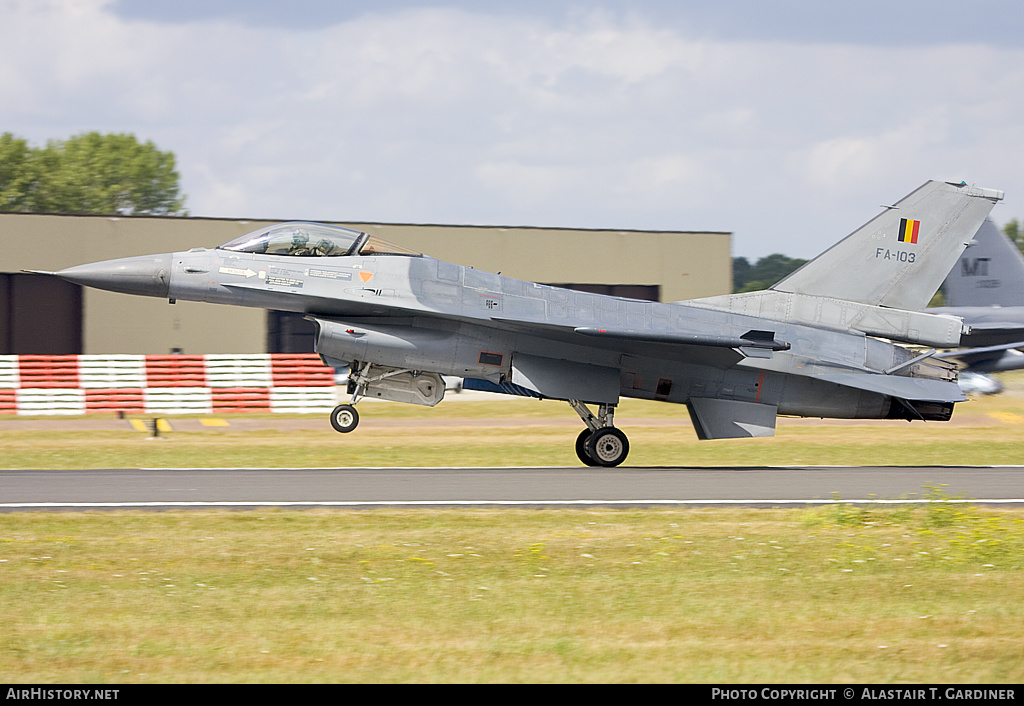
(89, 173)
(1014, 233)
(15, 172)
(762, 274)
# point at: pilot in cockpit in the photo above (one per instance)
(300, 242)
(300, 246)
(313, 240)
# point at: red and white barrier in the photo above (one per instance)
(165, 384)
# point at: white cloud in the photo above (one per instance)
(833, 162)
(437, 115)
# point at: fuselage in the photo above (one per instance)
(382, 304)
(417, 312)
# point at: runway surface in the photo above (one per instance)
(29, 490)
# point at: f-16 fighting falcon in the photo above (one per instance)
(823, 342)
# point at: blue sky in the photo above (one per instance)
(787, 123)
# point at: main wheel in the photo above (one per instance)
(344, 418)
(581, 448)
(608, 447)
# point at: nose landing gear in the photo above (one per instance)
(344, 418)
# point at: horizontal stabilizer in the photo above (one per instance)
(1001, 327)
(989, 359)
(964, 352)
(902, 387)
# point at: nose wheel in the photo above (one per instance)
(344, 418)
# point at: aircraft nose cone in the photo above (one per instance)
(149, 275)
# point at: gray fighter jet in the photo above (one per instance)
(986, 290)
(820, 343)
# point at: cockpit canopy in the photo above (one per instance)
(313, 240)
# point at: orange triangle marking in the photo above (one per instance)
(365, 276)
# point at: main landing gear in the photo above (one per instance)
(600, 444)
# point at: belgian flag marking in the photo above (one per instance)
(909, 230)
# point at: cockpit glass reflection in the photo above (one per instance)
(313, 240)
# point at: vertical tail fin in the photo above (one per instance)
(899, 258)
(989, 273)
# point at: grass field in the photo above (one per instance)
(832, 595)
(836, 594)
(521, 432)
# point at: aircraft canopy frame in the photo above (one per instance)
(301, 239)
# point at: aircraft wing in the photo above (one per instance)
(753, 343)
(705, 349)
(754, 349)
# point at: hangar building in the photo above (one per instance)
(45, 315)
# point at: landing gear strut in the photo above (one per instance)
(344, 417)
(600, 444)
(386, 383)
